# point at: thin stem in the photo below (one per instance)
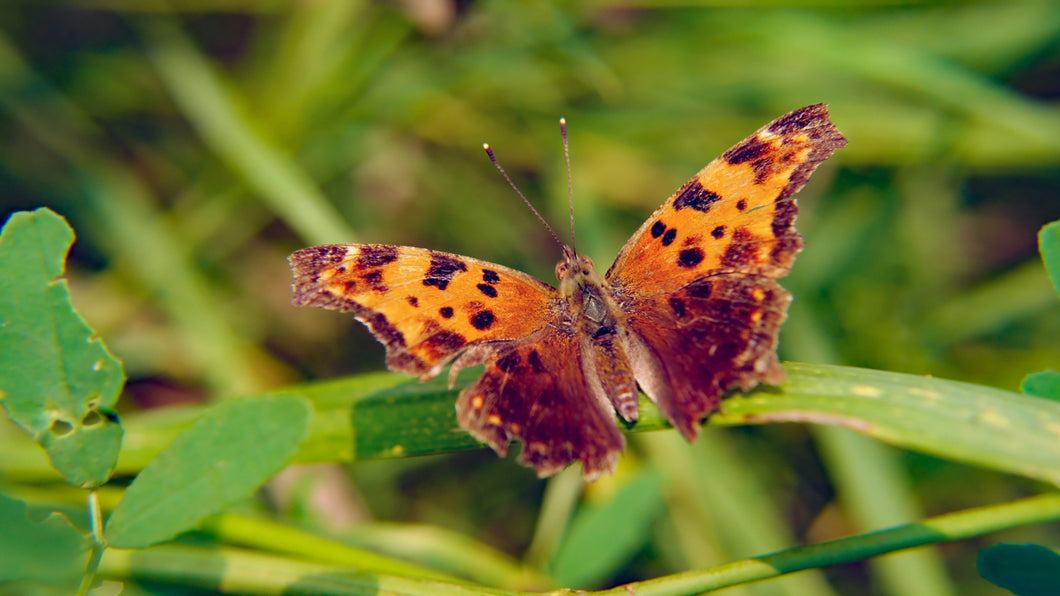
(99, 544)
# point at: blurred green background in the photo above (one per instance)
(194, 144)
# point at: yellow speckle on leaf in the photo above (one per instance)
(866, 391)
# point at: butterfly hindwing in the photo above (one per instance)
(535, 390)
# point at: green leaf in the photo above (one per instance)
(221, 459)
(1042, 384)
(604, 537)
(57, 379)
(51, 551)
(1023, 569)
(1049, 245)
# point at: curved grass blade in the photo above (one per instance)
(385, 416)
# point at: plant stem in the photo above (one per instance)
(943, 528)
(99, 543)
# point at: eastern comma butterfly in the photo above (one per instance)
(689, 310)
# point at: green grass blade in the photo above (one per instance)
(227, 454)
(57, 379)
(216, 112)
(242, 572)
(979, 425)
(602, 537)
(386, 416)
(944, 528)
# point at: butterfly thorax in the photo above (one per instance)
(597, 319)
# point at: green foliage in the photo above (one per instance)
(51, 550)
(1042, 384)
(220, 460)
(604, 536)
(1023, 569)
(57, 379)
(1049, 245)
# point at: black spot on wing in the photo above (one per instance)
(446, 312)
(482, 320)
(445, 342)
(678, 306)
(657, 229)
(376, 255)
(380, 326)
(748, 150)
(742, 251)
(510, 362)
(814, 115)
(315, 258)
(668, 237)
(534, 360)
(488, 290)
(413, 301)
(718, 232)
(489, 276)
(741, 204)
(696, 197)
(374, 279)
(690, 257)
(788, 240)
(442, 270)
(701, 288)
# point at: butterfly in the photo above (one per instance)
(689, 310)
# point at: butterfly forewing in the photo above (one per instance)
(735, 215)
(425, 306)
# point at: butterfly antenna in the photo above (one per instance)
(570, 183)
(493, 158)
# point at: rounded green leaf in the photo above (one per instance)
(52, 551)
(1042, 384)
(1049, 245)
(1023, 569)
(57, 379)
(221, 459)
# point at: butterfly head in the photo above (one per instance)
(576, 271)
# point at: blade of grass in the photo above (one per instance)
(872, 484)
(943, 528)
(720, 507)
(242, 572)
(214, 109)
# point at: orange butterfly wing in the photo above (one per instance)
(697, 279)
(425, 306)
